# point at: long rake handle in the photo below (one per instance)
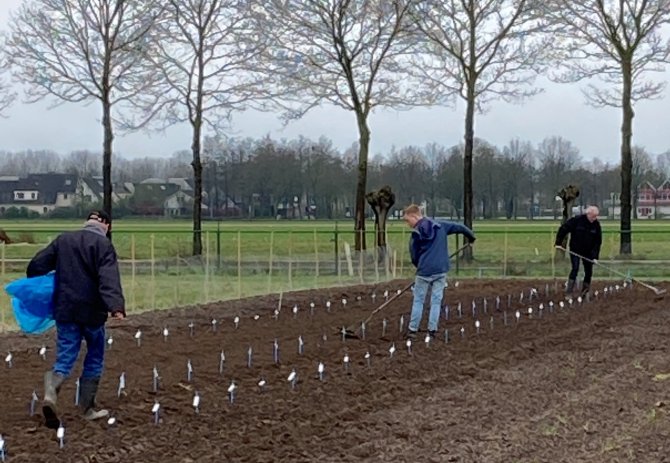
(654, 289)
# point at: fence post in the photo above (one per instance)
(290, 260)
(505, 252)
(272, 243)
(218, 245)
(395, 262)
(132, 266)
(402, 254)
(153, 271)
(206, 288)
(316, 259)
(360, 255)
(337, 251)
(553, 253)
(458, 256)
(239, 264)
(176, 286)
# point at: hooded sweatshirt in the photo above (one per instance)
(428, 245)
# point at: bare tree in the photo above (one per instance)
(557, 158)
(346, 53)
(620, 43)
(7, 93)
(203, 53)
(82, 51)
(480, 50)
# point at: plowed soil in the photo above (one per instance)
(587, 382)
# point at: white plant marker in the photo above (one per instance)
(474, 309)
(446, 336)
(491, 322)
(33, 403)
(368, 359)
(462, 331)
(156, 379)
(222, 361)
(189, 371)
(232, 392)
(344, 302)
(166, 333)
(596, 293)
(311, 308)
(9, 360)
(275, 352)
(156, 411)
(617, 287)
(196, 403)
(257, 317)
(399, 292)
(321, 370)
(236, 321)
(402, 323)
(77, 392)
(111, 421)
(138, 337)
(456, 285)
(384, 325)
(551, 306)
(446, 312)
(386, 294)
(122, 384)
(191, 328)
(261, 385)
(301, 346)
(43, 352)
(486, 305)
(427, 340)
(392, 350)
(215, 323)
(110, 342)
(276, 314)
(328, 306)
(362, 330)
(2, 448)
(530, 312)
(497, 303)
(345, 362)
(460, 310)
(579, 300)
(60, 435)
(292, 378)
(250, 354)
(518, 316)
(343, 332)
(561, 304)
(477, 326)
(374, 296)
(570, 302)
(295, 311)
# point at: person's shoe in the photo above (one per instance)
(432, 334)
(411, 334)
(570, 287)
(87, 392)
(52, 383)
(585, 289)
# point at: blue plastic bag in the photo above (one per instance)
(32, 302)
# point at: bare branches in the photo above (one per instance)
(350, 53)
(76, 50)
(490, 48)
(206, 55)
(604, 39)
(7, 94)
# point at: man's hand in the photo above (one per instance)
(471, 240)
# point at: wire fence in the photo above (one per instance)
(158, 270)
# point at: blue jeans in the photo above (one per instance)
(436, 283)
(68, 343)
(588, 269)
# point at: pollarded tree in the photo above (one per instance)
(620, 43)
(82, 51)
(344, 52)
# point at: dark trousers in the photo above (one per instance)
(588, 268)
(68, 344)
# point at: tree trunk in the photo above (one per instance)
(197, 188)
(364, 144)
(468, 197)
(626, 247)
(108, 138)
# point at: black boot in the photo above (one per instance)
(52, 383)
(585, 288)
(88, 389)
(570, 288)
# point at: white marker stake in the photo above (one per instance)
(2, 448)
(292, 378)
(166, 333)
(222, 362)
(60, 435)
(77, 392)
(427, 341)
(579, 300)
(374, 296)
(456, 285)
(122, 384)
(189, 371)
(321, 369)
(343, 332)
(530, 312)
(462, 331)
(8, 360)
(474, 309)
(399, 292)
(236, 321)
(446, 336)
(250, 354)
(301, 346)
(215, 323)
(33, 403)
(345, 362)
(328, 306)
(43, 352)
(551, 306)
(311, 309)
(275, 352)
(261, 385)
(486, 304)
(446, 312)
(561, 304)
(408, 343)
(518, 316)
(257, 317)
(491, 323)
(231, 392)
(344, 302)
(497, 303)
(384, 325)
(392, 350)
(191, 329)
(196, 403)
(111, 421)
(138, 338)
(477, 326)
(362, 330)
(156, 411)
(386, 294)
(295, 311)
(460, 310)
(156, 379)
(368, 359)
(402, 323)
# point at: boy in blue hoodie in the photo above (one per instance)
(430, 256)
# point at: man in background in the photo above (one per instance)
(430, 256)
(87, 288)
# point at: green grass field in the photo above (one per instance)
(243, 258)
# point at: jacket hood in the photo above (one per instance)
(426, 228)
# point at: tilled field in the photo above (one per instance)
(581, 383)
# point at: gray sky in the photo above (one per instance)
(560, 110)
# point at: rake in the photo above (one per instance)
(352, 332)
(657, 291)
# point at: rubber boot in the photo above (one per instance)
(88, 389)
(52, 383)
(570, 288)
(585, 289)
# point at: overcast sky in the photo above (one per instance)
(560, 110)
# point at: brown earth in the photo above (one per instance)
(579, 384)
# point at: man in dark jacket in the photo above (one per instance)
(586, 237)
(87, 288)
(430, 256)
